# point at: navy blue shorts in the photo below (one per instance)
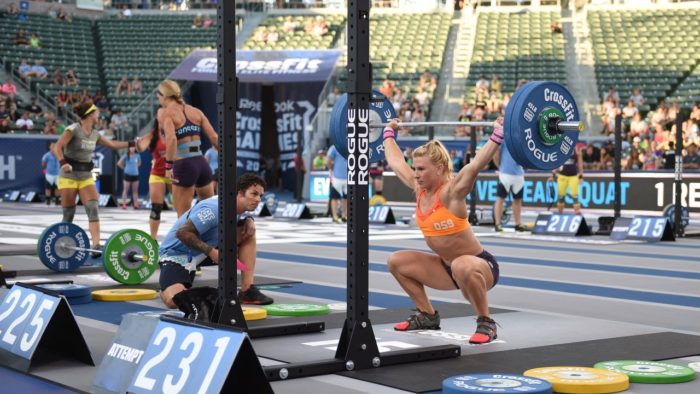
(172, 273)
(495, 271)
(192, 171)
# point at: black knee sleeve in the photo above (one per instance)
(91, 211)
(68, 214)
(155, 211)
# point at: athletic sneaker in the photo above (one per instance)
(254, 296)
(485, 331)
(198, 303)
(498, 228)
(96, 255)
(419, 321)
(521, 227)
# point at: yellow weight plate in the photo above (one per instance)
(583, 380)
(123, 294)
(254, 313)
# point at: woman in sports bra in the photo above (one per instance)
(158, 184)
(458, 260)
(185, 165)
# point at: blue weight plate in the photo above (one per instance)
(521, 138)
(521, 151)
(495, 383)
(69, 290)
(670, 213)
(80, 300)
(338, 125)
(531, 104)
(380, 112)
(51, 247)
(510, 125)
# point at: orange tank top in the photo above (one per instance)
(438, 220)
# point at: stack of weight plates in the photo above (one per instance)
(75, 294)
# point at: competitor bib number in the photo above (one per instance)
(175, 356)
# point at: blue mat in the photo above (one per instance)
(110, 312)
(18, 382)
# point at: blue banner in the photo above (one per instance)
(261, 66)
(296, 89)
(20, 163)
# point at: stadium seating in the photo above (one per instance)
(688, 92)
(149, 47)
(402, 46)
(298, 38)
(653, 50)
(516, 46)
(63, 45)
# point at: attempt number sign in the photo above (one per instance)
(186, 359)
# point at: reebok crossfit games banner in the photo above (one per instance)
(297, 77)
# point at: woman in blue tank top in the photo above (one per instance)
(185, 165)
(130, 163)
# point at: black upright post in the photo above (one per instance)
(472, 196)
(299, 167)
(617, 165)
(678, 181)
(357, 347)
(227, 102)
(357, 342)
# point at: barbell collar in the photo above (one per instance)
(563, 126)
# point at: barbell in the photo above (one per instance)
(129, 256)
(541, 125)
(557, 125)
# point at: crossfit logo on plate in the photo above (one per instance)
(125, 353)
(358, 162)
(565, 105)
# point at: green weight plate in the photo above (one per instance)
(649, 371)
(130, 242)
(296, 309)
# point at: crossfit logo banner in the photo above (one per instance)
(261, 66)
